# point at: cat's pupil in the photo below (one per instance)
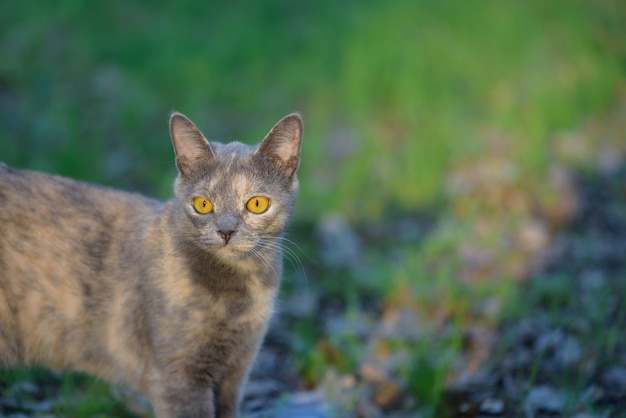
(203, 203)
(256, 202)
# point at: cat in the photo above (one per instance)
(170, 298)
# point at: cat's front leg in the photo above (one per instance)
(182, 401)
(230, 389)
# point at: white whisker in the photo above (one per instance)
(261, 257)
(273, 243)
(293, 243)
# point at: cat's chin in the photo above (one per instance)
(229, 252)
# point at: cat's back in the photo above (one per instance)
(52, 225)
(38, 198)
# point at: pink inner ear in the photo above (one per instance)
(287, 149)
(284, 140)
(189, 143)
(189, 148)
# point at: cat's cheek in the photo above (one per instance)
(210, 239)
(275, 224)
(254, 223)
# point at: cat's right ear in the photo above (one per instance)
(190, 146)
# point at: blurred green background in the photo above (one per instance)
(455, 112)
(392, 93)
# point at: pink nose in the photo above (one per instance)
(226, 235)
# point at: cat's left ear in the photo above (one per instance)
(282, 143)
(190, 146)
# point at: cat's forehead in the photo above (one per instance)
(231, 159)
(231, 152)
(232, 168)
(233, 184)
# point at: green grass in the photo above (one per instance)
(392, 93)
(38, 391)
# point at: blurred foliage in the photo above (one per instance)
(392, 93)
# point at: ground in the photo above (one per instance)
(563, 354)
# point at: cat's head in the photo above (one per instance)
(236, 198)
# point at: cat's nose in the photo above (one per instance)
(226, 234)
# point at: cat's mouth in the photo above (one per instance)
(235, 250)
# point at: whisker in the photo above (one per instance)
(290, 255)
(295, 244)
(261, 257)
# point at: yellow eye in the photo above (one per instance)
(258, 204)
(202, 205)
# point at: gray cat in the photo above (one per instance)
(172, 299)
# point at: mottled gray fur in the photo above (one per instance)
(155, 295)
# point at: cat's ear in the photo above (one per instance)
(190, 145)
(282, 143)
